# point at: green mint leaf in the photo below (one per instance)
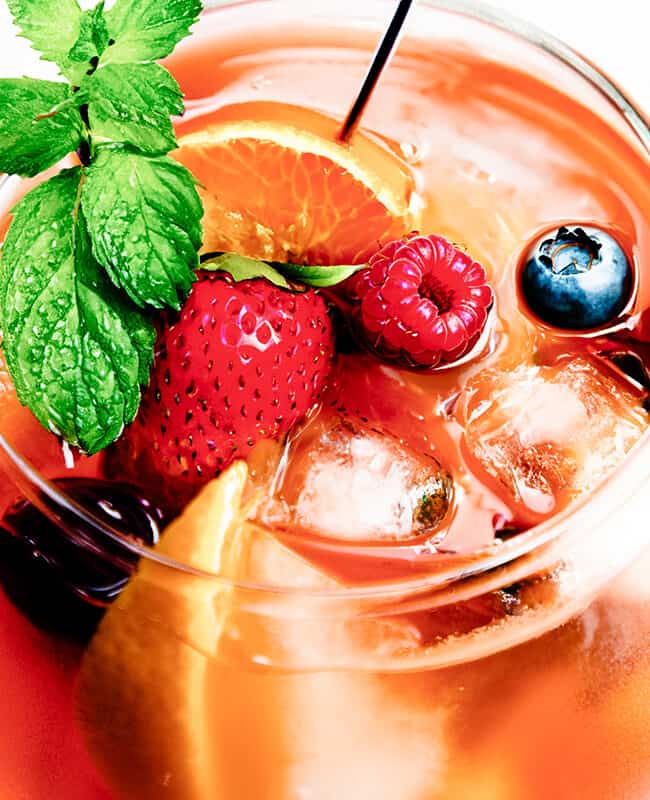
(132, 103)
(146, 30)
(29, 145)
(319, 277)
(242, 268)
(52, 26)
(93, 36)
(144, 219)
(77, 352)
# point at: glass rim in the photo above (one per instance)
(471, 564)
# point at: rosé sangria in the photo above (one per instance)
(325, 461)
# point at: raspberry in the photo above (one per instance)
(421, 302)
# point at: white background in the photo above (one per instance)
(612, 33)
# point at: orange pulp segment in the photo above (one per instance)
(276, 184)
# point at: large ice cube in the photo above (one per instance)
(345, 480)
(548, 433)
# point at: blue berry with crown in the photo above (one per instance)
(577, 278)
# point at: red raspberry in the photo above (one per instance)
(421, 302)
(244, 361)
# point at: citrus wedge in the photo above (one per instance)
(195, 689)
(276, 184)
(145, 677)
(168, 704)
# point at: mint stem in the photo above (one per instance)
(83, 154)
(84, 151)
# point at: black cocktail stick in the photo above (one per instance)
(381, 57)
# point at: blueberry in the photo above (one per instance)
(62, 576)
(577, 278)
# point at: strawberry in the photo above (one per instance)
(244, 361)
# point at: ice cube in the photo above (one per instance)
(546, 434)
(348, 481)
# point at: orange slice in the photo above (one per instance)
(145, 679)
(164, 701)
(187, 692)
(277, 185)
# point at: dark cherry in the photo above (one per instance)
(63, 575)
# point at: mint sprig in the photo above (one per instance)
(63, 33)
(145, 30)
(30, 139)
(52, 26)
(91, 42)
(92, 250)
(132, 103)
(75, 349)
(146, 238)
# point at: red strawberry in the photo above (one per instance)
(421, 302)
(244, 361)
